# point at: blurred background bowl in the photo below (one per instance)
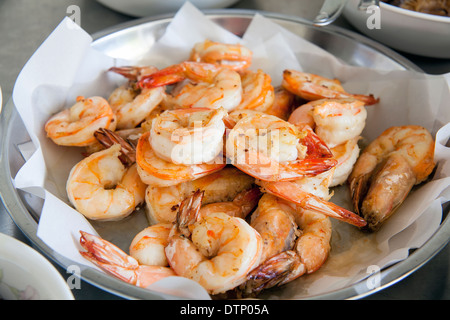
(404, 30)
(145, 8)
(25, 274)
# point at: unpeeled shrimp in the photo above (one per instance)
(130, 103)
(217, 250)
(313, 87)
(188, 136)
(233, 56)
(102, 187)
(209, 85)
(76, 126)
(115, 261)
(387, 169)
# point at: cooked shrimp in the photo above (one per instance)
(258, 92)
(276, 225)
(217, 251)
(188, 136)
(130, 103)
(312, 193)
(209, 85)
(233, 56)
(282, 105)
(161, 173)
(346, 154)
(313, 87)
(241, 206)
(76, 126)
(219, 187)
(112, 259)
(335, 121)
(387, 169)
(272, 149)
(339, 123)
(102, 187)
(147, 247)
(296, 242)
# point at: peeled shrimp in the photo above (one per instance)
(130, 103)
(76, 126)
(233, 56)
(188, 136)
(313, 87)
(102, 187)
(208, 86)
(216, 250)
(387, 169)
(219, 187)
(339, 123)
(272, 149)
(335, 121)
(296, 242)
(113, 260)
(258, 92)
(161, 173)
(147, 247)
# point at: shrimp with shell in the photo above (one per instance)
(76, 125)
(106, 185)
(387, 170)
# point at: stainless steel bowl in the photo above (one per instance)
(121, 40)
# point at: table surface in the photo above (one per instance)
(25, 24)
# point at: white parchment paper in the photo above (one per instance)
(66, 66)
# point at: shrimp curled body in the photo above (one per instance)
(101, 187)
(76, 126)
(218, 251)
(387, 169)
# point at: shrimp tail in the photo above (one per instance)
(275, 271)
(109, 257)
(292, 193)
(167, 76)
(247, 200)
(129, 72)
(188, 212)
(108, 138)
(367, 99)
(316, 147)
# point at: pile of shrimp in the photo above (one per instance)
(234, 173)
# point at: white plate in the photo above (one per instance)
(26, 275)
(405, 30)
(145, 8)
